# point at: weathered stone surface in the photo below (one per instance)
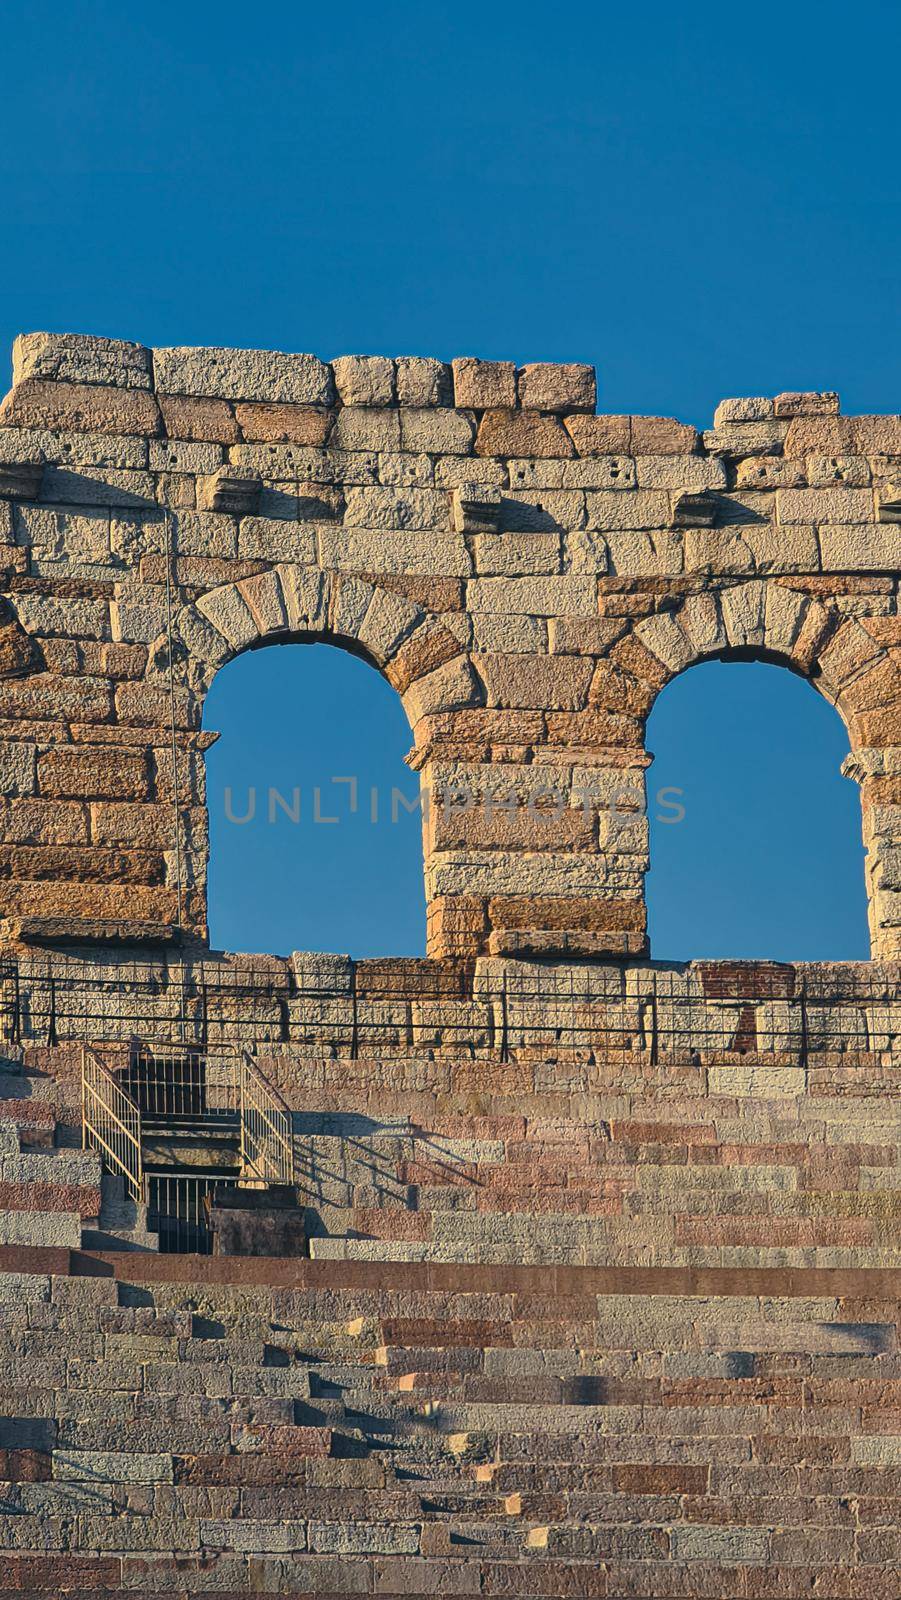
(282, 424)
(564, 388)
(91, 408)
(190, 417)
(81, 358)
(422, 381)
(243, 375)
(522, 433)
(364, 380)
(483, 385)
(806, 405)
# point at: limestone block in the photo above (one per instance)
(448, 687)
(367, 428)
(207, 534)
(306, 598)
(744, 613)
(784, 617)
(243, 375)
(271, 539)
(100, 773)
(856, 549)
(516, 554)
(73, 449)
(561, 387)
(175, 455)
(350, 602)
(138, 613)
(702, 621)
(190, 417)
(66, 535)
(81, 358)
(45, 614)
(652, 436)
(18, 768)
(737, 439)
(751, 409)
(413, 552)
(264, 598)
(364, 380)
(584, 636)
(637, 554)
(600, 436)
(404, 470)
(230, 615)
(498, 872)
(770, 472)
(751, 547)
(285, 463)
(439, 430)
(550, 682)
(598, 472)
(99, 487)
(680, 472)
(538, 473)
(388, 621)
(422, 381)
(664, 638)
(544, 597)
(523, 512)
(838, 505)
(608, 508)
(522, 433)
(585, 551)
(80, 407)
(522, 635)
(810, 404)
(481, 385)
(455, 472)
(823, 471)
(390, 508)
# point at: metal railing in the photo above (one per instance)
(179, 1083)
(111, 1123)
(712, 1012)
(267, 1134)
(177, 1210)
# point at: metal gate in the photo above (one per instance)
(176, 1210)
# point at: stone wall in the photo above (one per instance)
(526, 573)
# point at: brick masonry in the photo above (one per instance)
(526, 573)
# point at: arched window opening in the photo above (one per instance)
(315, 830)
(756, 846)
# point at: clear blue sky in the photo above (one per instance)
(703, 204)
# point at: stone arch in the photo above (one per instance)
(841, 657)
(420, 656)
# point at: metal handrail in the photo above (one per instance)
(267, 1137)
(111, 1123)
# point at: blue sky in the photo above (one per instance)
(703, 204)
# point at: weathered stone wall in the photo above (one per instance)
(527, 574)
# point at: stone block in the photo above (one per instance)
(561, 387)
(438, 430)
(364, 380)
(522, 433)
(99, 773)
(81, 358)
(422, 381)
(243, 375)
(283, 424)
(570, 596)
(660, 436)
(483, 385)
(748, 409)
(639, 510)
(18, 768)
(810, 404)
(600, 436)
(90, 408)
(557, 683)
(362, 428)
(190, 417)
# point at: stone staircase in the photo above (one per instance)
(303, 1428)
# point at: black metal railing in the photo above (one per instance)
(653, 1016)
(177, 1210)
